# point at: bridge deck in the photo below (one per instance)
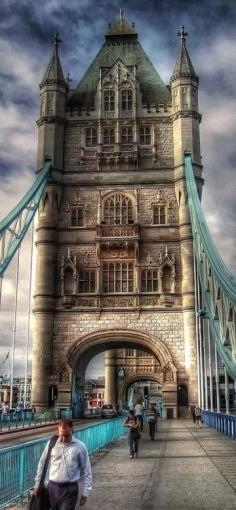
(182, 469)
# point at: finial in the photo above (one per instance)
(182, 34)
(68, 79)
(56, 39)
(121, 14)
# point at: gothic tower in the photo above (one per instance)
(115, 269)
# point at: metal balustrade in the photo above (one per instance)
(18, 464)
(224, 423)
(26, 419)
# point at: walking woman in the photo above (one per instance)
(132, 424)
(152, 418)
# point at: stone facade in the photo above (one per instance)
(114, 244)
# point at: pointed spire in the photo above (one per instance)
(54, 71)
(183, 66)
(121, 27)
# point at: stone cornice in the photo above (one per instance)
(183, 114)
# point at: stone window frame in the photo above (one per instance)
(157, 212)
(149, 280)
(76, 216)
(91, 137)
(109, 96)
(117, 277)
(118, 209)
(87, 281)
(127, 135)
(126, 99)
(145, 135)
(108, 135)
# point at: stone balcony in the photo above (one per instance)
(117, 231)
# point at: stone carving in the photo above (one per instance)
(149, 301)
(117, 231)
(118, 302)
(63, 375)
(86, 302)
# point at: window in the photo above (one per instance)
(87, 282)
(166, 279)
(118, 210)
(126, 100)
(159, 215)
(118, 277)
(145, 135)
(91, 137)
(108, 136)
(127, 135)
(129, 352)
(109, 100)
(77, 217)
(68, 281)
(149, 281)
(143, 354)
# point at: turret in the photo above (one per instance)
(186, 118)
(53, 89)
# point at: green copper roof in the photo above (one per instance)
(121, 42)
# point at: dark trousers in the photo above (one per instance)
(62, 496)
(140, 419)
(133, 443)
(152, 428)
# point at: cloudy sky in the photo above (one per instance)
(26, 30)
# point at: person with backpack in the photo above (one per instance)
(68, 464)
(132, 424)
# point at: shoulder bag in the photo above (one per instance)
(41, 501)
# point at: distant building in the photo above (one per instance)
(94, 392)
(19, 384)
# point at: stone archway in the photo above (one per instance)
(88, 346)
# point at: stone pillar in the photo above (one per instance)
(210, 365)
(44, 291)
(226, 391)
(110, 377)
(205, 364)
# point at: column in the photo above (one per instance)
(200, 349)
(205, 366)
(210, 364)
(226, 391)
(217, 381)
(197, 306)
(110, 377)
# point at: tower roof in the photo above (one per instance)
(54, 71)
(183, 66)
(121, 41)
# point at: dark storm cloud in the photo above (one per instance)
(27, 27)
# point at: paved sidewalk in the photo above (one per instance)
(183, 469)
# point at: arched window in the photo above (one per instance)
(159, 215)
(126, 100)
(68, 281)
(109, 136)
(149, 281)
(118, 277)
(77, 217)
(166, 279)
(87, 282)
(91, 137)
(109, 100)
(127, 135)
(118, 210)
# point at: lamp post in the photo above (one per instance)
(1, 381)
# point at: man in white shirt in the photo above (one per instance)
(69, 464)
(138, 409)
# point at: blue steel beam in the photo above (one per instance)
(207, 255)
(14, 227)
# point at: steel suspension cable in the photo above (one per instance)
(14, 327)
(29, 315)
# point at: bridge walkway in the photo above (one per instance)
(183, 469)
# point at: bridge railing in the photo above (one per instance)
(26, 419)
(225, 423)
(18, 464)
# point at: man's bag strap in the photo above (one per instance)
(52, 443)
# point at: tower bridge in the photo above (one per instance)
(125, 263)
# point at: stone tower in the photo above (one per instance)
(115, 267)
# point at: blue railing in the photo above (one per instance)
(18, 464)
(26, 419)
(225, 423)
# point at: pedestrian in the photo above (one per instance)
(132, 424)
(198, 414)
(138, 409)
(152, 418)
(192, 410)
(69, 464)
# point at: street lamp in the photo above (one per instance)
(1, 381)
